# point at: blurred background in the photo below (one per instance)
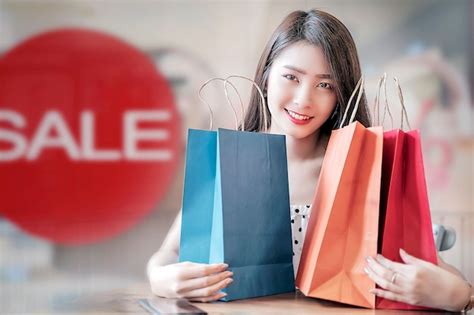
(427, 44)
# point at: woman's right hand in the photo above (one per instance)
(193, 281)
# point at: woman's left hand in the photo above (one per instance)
(417, 282)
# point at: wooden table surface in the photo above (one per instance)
(135, 300)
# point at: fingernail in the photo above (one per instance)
(225, 265)
(230, 280)
(223, 294)
(402, 251)
(366, 270)
(230, 273)
(368, 259)
(372, 291)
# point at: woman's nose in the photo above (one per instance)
(303, 96)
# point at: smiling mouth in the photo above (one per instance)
(297, 116)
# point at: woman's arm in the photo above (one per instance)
(193, 281)
(169, 250)
(419, 282)
(450, 268)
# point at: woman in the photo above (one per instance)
(307, 71)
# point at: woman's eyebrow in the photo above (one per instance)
(321, 76)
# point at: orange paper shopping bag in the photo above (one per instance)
(343, 229)
(405, 220)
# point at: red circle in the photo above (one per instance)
(65, 73)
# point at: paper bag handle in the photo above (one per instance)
(263, 107)
(359, 86)
(404, 115)
(383, 80)
(402, 103)
(211, 114)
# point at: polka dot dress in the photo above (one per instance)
(299, 221)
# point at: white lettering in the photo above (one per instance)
(87, 136)
(18, 141)
(42, 139)
(132, 135)
(53, 132)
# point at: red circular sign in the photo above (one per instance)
(89, 136)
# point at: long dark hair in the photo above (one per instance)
(328, 33)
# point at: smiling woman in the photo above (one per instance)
(308, 71)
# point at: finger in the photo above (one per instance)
(194, 270)
(208, 291)
(392, 265)
(203, 282)
(214, 297)
(389, 295)
(411, 260)
(380, 270)
(382, 282)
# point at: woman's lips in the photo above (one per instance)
(297, 118)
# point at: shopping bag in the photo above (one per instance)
(405, 220)
(236, 209)
(343, 227)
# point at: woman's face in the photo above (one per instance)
(300, 91)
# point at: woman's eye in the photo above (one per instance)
(325, 85)
(290, 77)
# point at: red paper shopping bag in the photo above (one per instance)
(405, 220)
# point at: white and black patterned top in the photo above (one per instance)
(299, 221)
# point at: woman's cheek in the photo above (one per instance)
(277, 99)
(329, 102)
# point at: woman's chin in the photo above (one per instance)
(294, 131)
(299, 134)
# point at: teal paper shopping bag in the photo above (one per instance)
(236, 209)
